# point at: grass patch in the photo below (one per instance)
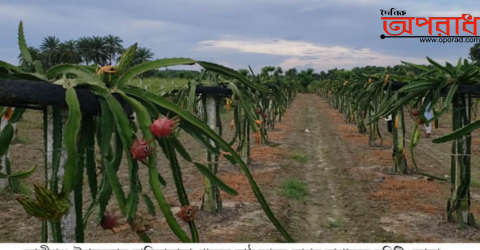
(474, 183)
(157, 85)
(294, 189)
(301, 158)
(18, 140)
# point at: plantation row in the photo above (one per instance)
(105, 117)
(88, 109)
(427, 93)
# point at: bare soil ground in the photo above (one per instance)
(352, 196)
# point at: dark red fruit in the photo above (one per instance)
(140, 150)
(420, 122)
(264, 115)
(108, 222)
(259, 111)
(187, 213)
(415, 113)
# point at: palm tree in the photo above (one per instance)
(93, 49)
(98, 50)
(69, 53)
(113, 46)
(51, 48)
(143, 54)
(36, 56)
(83, 48)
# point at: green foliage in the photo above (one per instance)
(25, 53)
(458, 133)
(294, 189)
(244, 72)
(78, 70)
(24, 174)
(301, 158)
(96, 50)
(19, 140)
(369, 96)
(6, 136)
(474, 53)
(142, 68)
(126, 59)
(114, 89)
(159, 85)
(72, 128)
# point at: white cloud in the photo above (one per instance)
(176, 29)
(41, 20)
(306, 54)
(311, 7)
(326, 3)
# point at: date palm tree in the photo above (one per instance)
(114, 47)
(93, 50)
(83, 48)
(98, 50)
(69, 53)
(51, 48)
(143, 55)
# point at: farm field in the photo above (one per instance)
(156, 84)
(325, 185)
(240, 122)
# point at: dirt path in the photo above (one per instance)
(336, 208)
(353, 196)
(322, 211)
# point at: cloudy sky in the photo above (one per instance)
(321, 34)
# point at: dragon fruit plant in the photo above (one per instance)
(73, 136)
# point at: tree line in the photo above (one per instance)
(94, 50)
(106, 50)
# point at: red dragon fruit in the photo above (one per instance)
(108, 222)
(163, 127)
(140, 150)
(415, 113)
(187, 213)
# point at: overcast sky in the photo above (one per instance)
(320, 34)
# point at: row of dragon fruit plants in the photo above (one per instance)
(135, 124)
(427, 92)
